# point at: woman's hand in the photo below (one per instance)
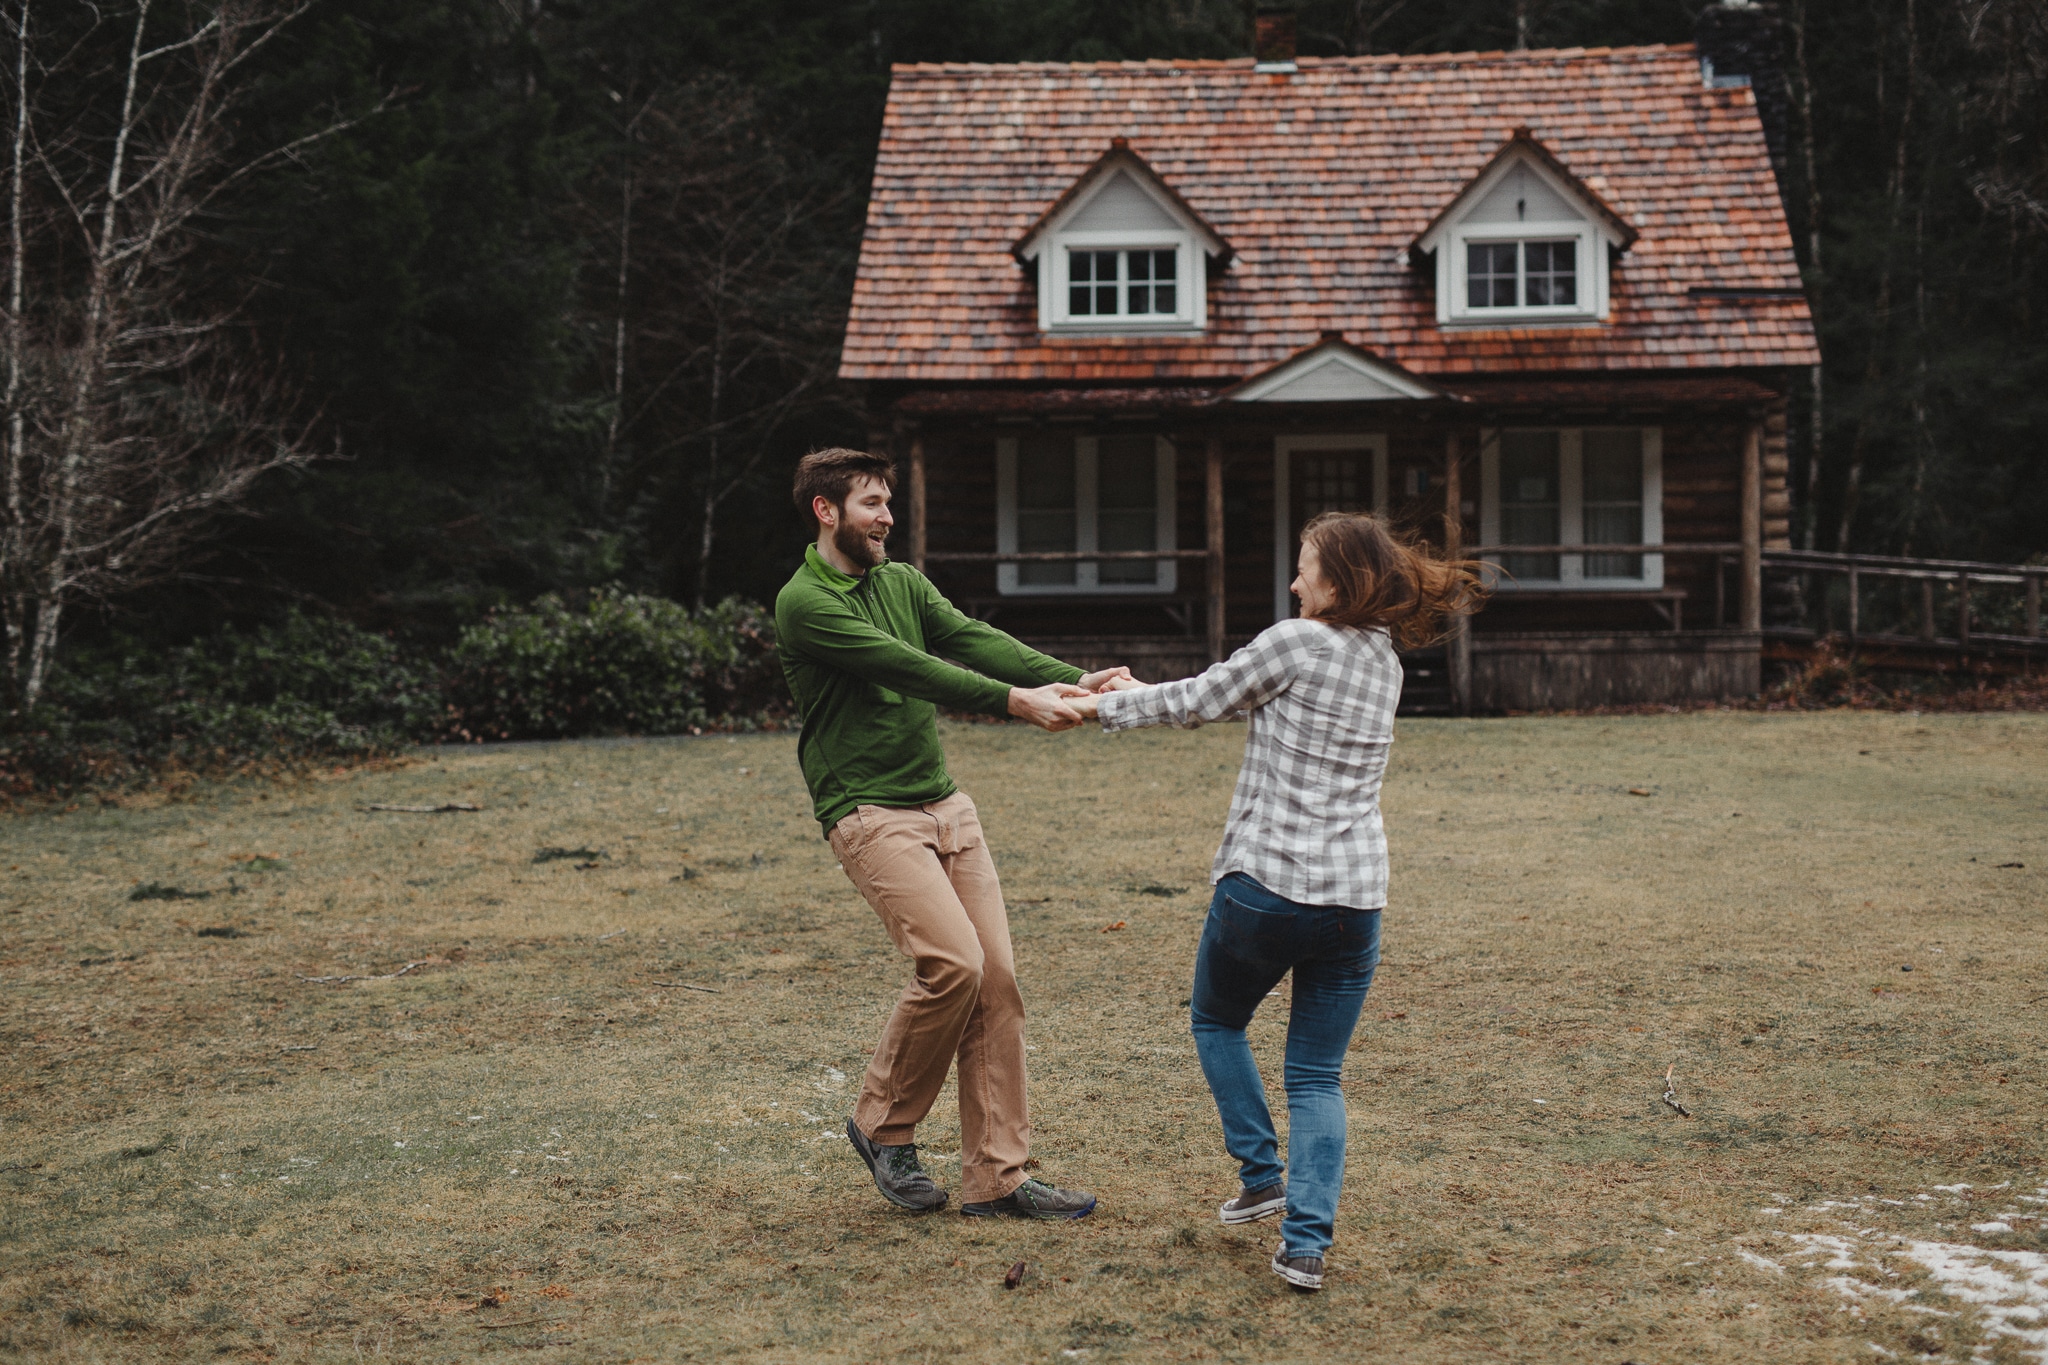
(1104, 678)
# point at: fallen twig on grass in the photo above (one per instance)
(613, 934)
(1671, 1092)
(551, 854)
(441, 809)
(305, 1047)
(159, 891)
(683, 986)
(501, 1326)
(339, 980)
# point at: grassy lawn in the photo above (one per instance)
(530, 1146)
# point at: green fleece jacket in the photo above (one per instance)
(861, 658)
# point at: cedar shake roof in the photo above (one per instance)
(1320, 181)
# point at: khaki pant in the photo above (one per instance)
(926, 871)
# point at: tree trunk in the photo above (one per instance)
(1816, 417)
(12, 548)
(711, 490)
(1873, 372)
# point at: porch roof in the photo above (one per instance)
(1320, 180)
(1467, 398)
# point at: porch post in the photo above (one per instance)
(1213, 476)
(1460, 643)
(1752, 595)
(915, 490)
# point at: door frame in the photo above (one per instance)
(1283, 498)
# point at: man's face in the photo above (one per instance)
(861, 529)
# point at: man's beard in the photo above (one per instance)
(856, 546)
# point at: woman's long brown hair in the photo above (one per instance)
(1391, 582)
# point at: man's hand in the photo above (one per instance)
(1095, 682)
(1047, 707)
(1123, 685)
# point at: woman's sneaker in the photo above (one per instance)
(1034, 1199)
(1304, 1272)
(898, 1174)
(1252, 1205)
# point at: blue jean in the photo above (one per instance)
(1251, 940)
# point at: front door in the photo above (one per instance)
(1322, 474)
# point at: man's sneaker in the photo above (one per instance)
(1252, 1205)
(1034, 1199)
(897, 1173)
(1305, 1273)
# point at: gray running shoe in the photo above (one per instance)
(1034, 1199)
(1252, 1205)
(1305, 1273)
(897, 1173)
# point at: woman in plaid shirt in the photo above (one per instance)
(1301, 876)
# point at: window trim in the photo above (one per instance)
(1571, 510)
(1166, 572)
(1285, 524)
(1052, 283)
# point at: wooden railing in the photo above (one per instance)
(1962, 574)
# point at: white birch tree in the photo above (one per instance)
(136, 409)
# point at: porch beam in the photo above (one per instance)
(1752, 583)
(1213, 496)
(918, 504)
(1459, 646)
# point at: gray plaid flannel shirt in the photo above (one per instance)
(1305, 819)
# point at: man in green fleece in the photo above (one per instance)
(861, 639)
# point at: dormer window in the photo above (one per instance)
(1522, 274)
(1121, 252)
(1140, 284)
(1526, 241)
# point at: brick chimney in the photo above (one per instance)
(1273, 38)
(1740, 43)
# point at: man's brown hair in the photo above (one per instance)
(1381, 579)
(831, 474)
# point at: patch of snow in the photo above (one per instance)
(1991, 1227)
(1949, 1189)
(1761, 1262)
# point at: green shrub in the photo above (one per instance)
(309, 688)
(623, 664)
(314, 688)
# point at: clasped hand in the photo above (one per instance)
(1062, 706)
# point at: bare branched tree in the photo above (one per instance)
(723, 320)
(136, 409)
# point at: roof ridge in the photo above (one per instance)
(1308, 63)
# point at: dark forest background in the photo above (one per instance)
(569, 301)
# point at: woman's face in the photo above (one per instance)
(1309, 585)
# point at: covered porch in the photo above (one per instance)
(1626, 520)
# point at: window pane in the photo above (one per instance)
(1329, 481)
(1091, 282)
(1490, 275)
(1045, 504)
(1529, 494)
(1552, 273)
(1612, 479)
(1126, 504)
(1152, 277)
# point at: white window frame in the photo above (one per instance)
(1285, 523)
(1585, 275)
(1184, 252)
(1166, 576)
(1571, 511)
(1593, 233)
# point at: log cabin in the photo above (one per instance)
(1126, 326)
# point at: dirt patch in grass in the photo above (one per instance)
(522, 1131)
